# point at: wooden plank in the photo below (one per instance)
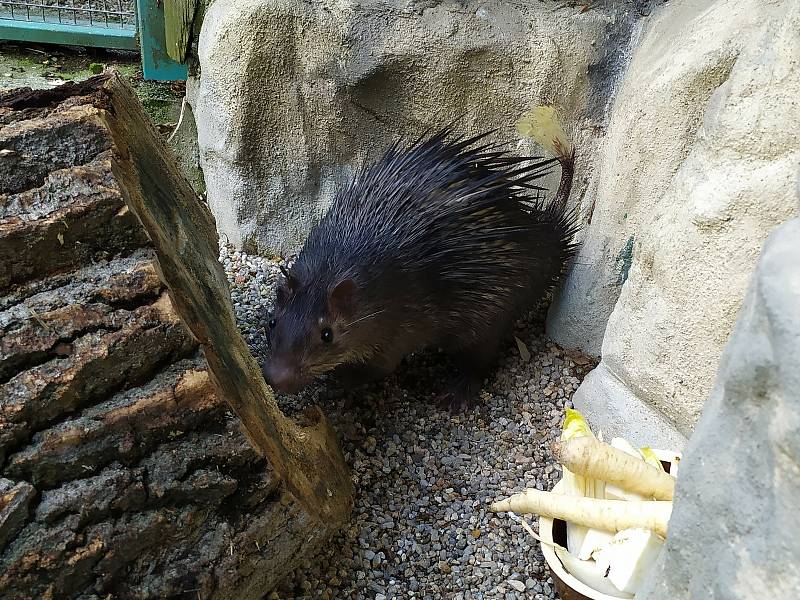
(156, 61)
(178, 19)
(306, 455)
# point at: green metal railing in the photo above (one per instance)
(117, 24)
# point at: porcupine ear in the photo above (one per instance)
(343, 297)
(287, 286)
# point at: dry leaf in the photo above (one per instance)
(523, 349)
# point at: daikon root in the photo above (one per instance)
(586, 571)
(576, 485)
(590, 458)
(609, 515)
(615, 492)
(594, 540)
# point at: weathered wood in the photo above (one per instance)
(123, 473)
(179, 18)
(184, 236)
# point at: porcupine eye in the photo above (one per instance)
(272, 323)
(327, 335)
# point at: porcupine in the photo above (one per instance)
(444, 243)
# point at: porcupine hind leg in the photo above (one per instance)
(474, 364)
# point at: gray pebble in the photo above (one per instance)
(424, 479)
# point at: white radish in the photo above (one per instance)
(586, 456)
(609, 515)
(576, 485)
(588, 572)
(594, 540)
(585, 571)
(624, 445)
(628, 558)
(615, 492)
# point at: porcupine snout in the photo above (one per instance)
(282, 377)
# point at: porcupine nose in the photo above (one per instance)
(283, 378)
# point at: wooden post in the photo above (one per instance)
(157, 60)
(182, 230)
(179, 18)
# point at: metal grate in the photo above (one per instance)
(109, 14)
(137, 25)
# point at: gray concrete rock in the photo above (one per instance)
(699, 165)
(684, 55)
(292, 95)
(735, 530)
(610, 406)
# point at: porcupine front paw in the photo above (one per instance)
(460, 396)
(474, 365)
(352, 376)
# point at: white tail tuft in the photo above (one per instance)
(542, 125)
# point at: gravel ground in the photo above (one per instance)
(421, 528)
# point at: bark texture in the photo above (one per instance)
(123, 471)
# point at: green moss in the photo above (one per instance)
(161, 102)
(45, 66)
(625, 260)
(40, 66)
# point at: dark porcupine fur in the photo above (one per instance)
(441, 244)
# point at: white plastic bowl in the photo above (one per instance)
(567, 586)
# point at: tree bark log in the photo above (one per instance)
(123, 472)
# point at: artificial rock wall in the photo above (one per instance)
(684, 115)
(292, 96)
(734, 530)
(699, 165)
